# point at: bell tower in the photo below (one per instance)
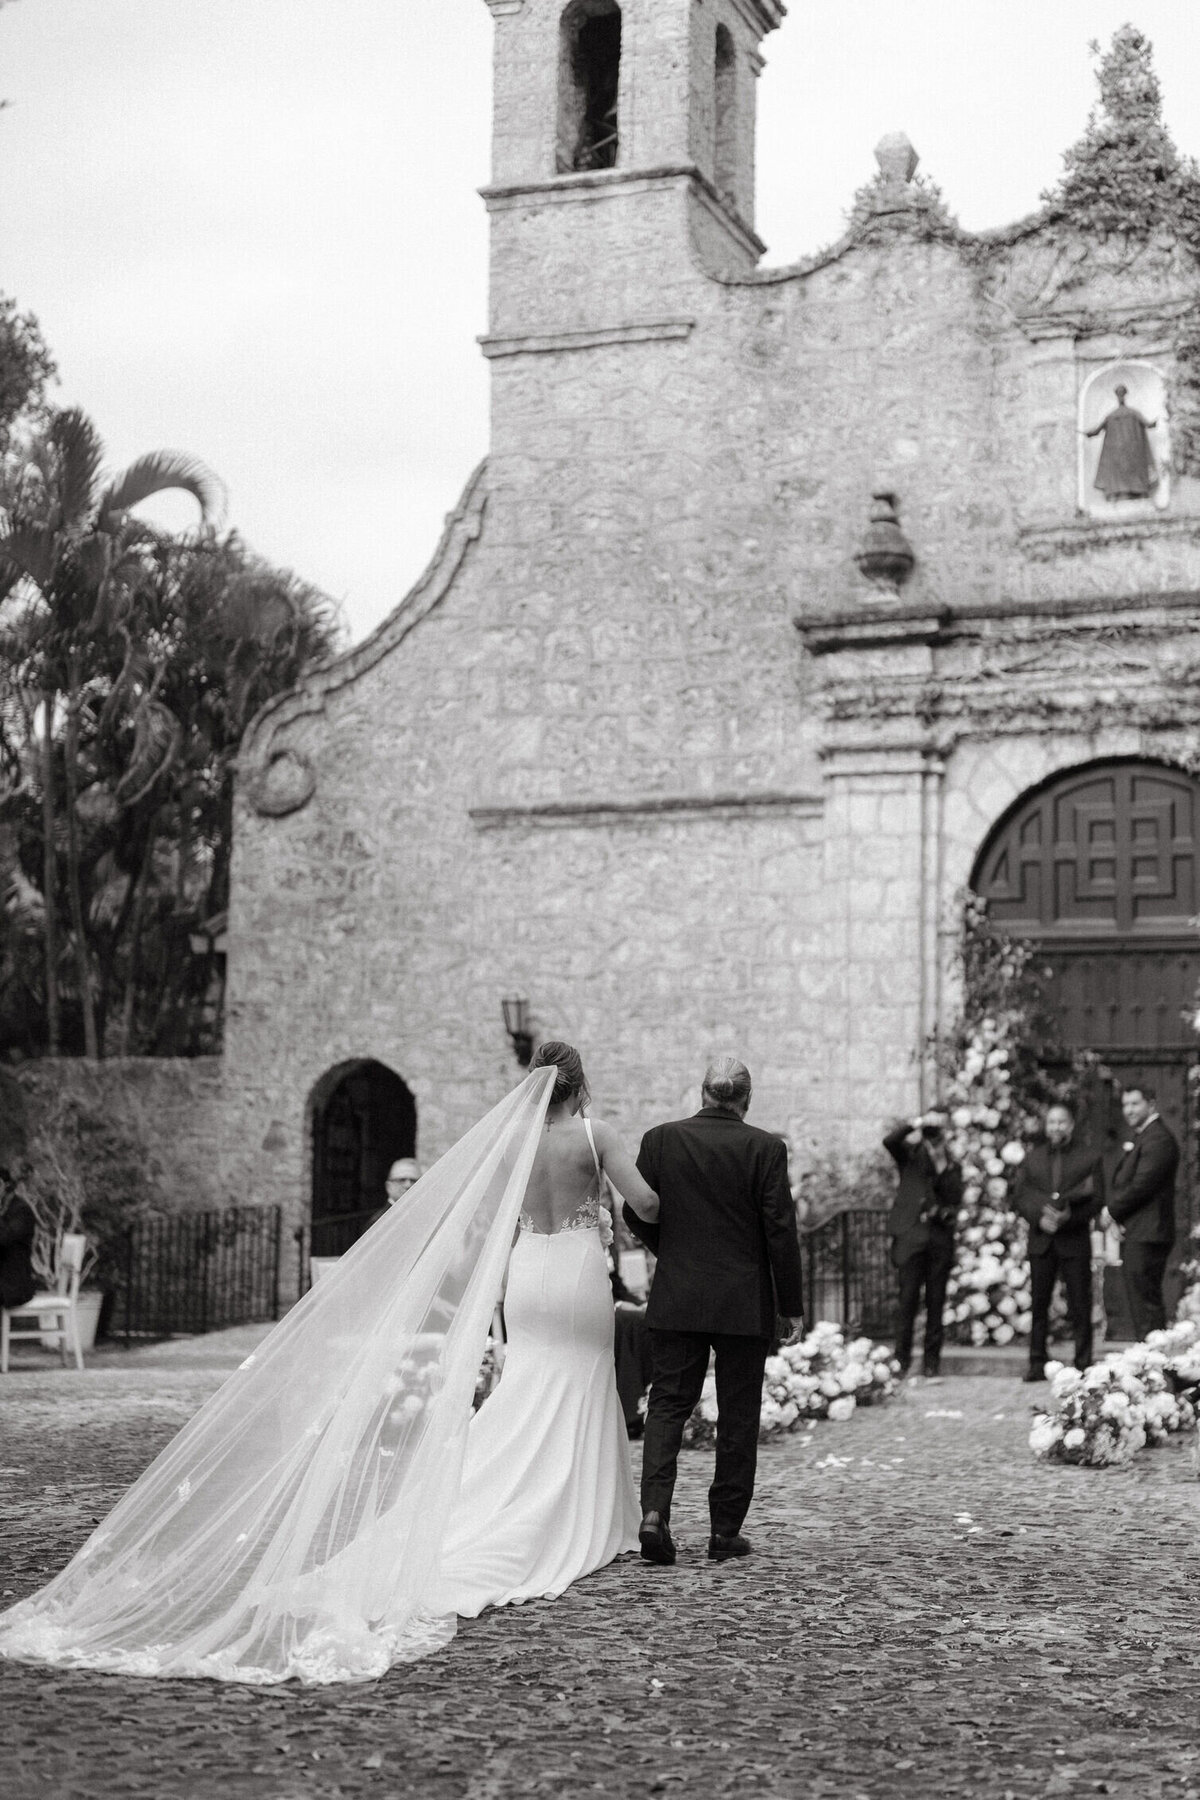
(623, 135)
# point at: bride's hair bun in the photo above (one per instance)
(571, 1078)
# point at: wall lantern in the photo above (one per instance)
(516, 1022)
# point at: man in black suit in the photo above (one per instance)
(1059, 1189)
(728, 1265)
(921, 1226)
(1142, 1203)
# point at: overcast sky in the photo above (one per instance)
(250, 227)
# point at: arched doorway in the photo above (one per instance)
(1098, 866)
(363, 1118)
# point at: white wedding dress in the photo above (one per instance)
(547, 1494)
(334, 1505)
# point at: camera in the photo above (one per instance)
(932, 1131)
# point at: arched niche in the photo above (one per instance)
(1146, 395)
(362, 1118)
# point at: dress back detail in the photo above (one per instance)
(587, 1216)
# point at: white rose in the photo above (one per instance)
(1075, 1438)
(961, 1117)
(1044, 1435)
(842, 1408)
(1013, 1153)
(997, 1187)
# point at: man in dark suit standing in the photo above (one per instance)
(921, 1225)
(728, 1265)
(1142, 1203)
(1059, 1189)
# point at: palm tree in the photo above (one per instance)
(66, 534)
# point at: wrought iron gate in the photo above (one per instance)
(196, 1272)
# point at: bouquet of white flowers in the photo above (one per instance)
(1097, 1416)
(821, 1377)
(1139, 1396)
(1189, 1300)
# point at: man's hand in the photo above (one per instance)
(795, 1329)
(1050, 1220)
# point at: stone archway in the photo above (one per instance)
(363, 1118)
(1100, 867)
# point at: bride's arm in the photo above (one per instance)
(621, 1170)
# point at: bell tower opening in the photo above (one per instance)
(725, 148)
(589, 83)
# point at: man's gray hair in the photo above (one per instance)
(727, 1081)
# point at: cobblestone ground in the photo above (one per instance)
(928, 1612)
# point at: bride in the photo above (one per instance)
(334, 1506)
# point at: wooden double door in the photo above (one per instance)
(1099, 868)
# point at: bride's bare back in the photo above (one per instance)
(563, 1177)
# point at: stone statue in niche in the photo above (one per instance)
(1126, 469)
(1124, 449)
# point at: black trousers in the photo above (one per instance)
(679, 1363)
(1076, 1273)
(928, 1269)
(1142, 1268)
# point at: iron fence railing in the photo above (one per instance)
(196, 1272)
(848, 1273)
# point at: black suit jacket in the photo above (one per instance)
(17, 1231)
(927, 1199)
(1143, 1186)
(726, 1241)
(1082, 1188)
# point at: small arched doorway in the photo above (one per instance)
(363, 1118)
(1100, 867)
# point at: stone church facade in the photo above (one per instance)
(784, 608)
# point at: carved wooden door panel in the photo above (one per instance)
(1105, 852)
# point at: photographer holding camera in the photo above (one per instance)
(921, 1224)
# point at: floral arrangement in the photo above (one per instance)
(988, 1292)
(1135, 1397)
(821, 1377)
(489, 1373)
(994, 1085)
(1189, 1300)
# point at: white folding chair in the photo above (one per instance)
(60, 1305)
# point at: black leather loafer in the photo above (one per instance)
(720, 1549)
(654, 1535)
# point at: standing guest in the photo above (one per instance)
(1142, 1203)
(17, 1231)
(1059, 1190)
(921, 1225)
(400, 1177)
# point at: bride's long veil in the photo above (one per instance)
(294, 1526)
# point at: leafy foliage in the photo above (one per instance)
(25, 366)
(89, 1167)
(147, 655)
(1125, 175)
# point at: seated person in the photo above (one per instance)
(17, 1231)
